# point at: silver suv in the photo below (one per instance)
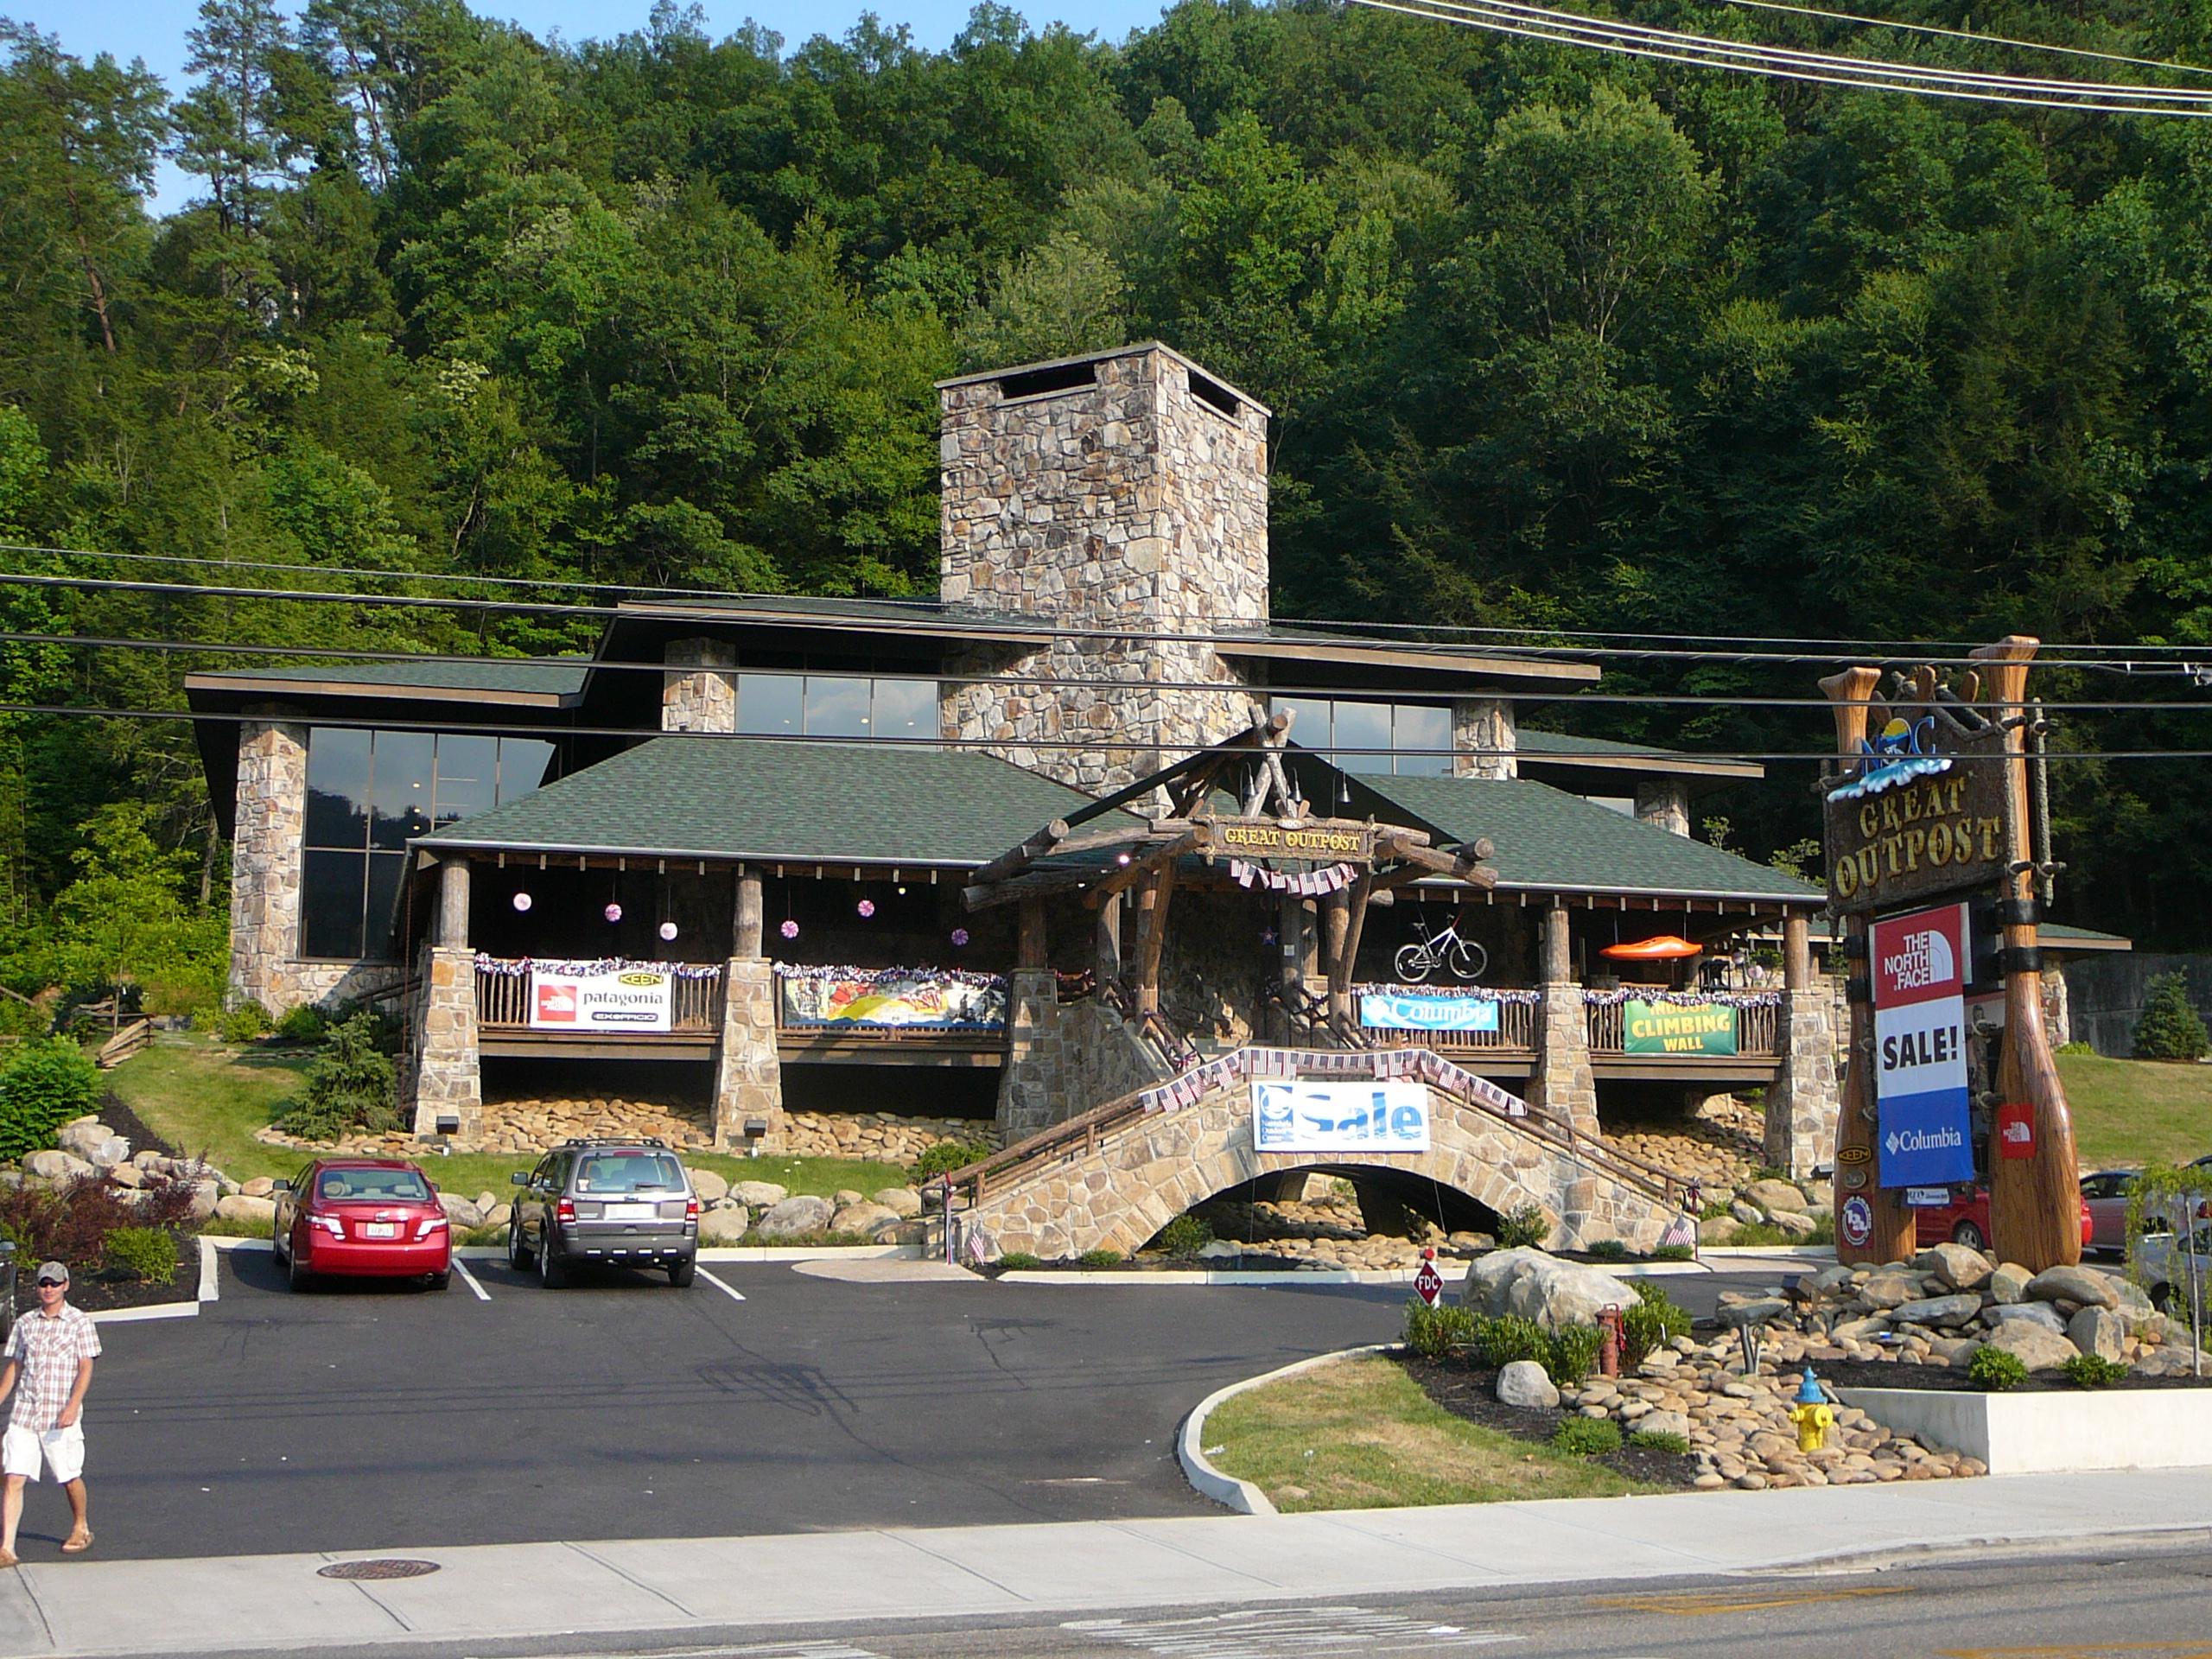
(627, 1202)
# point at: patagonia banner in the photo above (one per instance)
(1677, 1028)
(579, 996)
(1384, 1012)
(909, 999)
(1299, 1115)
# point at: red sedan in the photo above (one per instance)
(370, 1218)
(1964, 1220)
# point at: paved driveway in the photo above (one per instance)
(360, 1418)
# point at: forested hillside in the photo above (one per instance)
(1555, 340)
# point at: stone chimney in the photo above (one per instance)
(1123, 494)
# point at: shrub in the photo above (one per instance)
(1759, 1232)
(46, 1084)
(1652, 1322)
(1674, 1253)
(1608, 1249)
(1658, 1440)
(1823, 1231)
(2169, 1028)
(2075, 1048)
(1101, 1259)
(1525, 1228)
(304, 1023)
(243, 1023)
(74, 1224)
(1508, 1338)
(148, 1253)
(1994, 1370)
(1185, 1236)
(350, 1085)
(2091, 1370)
(1438, 1332)
(1571, 1354)
(1021, 1259)
(1587, 1437)
(1714, 1210)
(945, 1157)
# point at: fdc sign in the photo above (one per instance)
(1922, 1132)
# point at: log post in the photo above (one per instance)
(1336, 927)
(2035, 1203)
(1153, 896)
(1558, 957)
(453, 903)
(1030, 943)
(745, 929)
(1891, 1238)
(1109, 939)
(1797, 952)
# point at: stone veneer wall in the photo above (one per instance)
(1129, 503)
(443, 1078)
(1802, 1103)
(704, 698)
(1063, 1060)
(748, 1075)
(1485, 739)
(1664, 802)
(1562, 1083)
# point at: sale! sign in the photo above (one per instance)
(1919, 965)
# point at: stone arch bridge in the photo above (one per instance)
(1113, 1177)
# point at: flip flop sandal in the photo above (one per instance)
(77, 1543)
(8, 1558)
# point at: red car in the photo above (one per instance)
(1964, 1220)
(368, 1218)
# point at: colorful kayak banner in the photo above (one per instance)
(1383, 1011)
(1677, 1028)
(904, 998)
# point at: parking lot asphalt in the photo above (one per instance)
(365, 1416)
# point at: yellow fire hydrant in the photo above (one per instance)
(1812, 1413)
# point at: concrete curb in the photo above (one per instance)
(1189, 1440)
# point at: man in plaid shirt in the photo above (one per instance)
(49, 1356)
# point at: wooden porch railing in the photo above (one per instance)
(503, 1003)
(1518, 1025)
(1757, 1029)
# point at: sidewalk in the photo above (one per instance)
(682, 1586)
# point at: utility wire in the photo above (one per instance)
(332, 656)
(1339, 629)
(1967, 35)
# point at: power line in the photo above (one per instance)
(1567, 28)
(1341, 629)
(1073, 743)
(339, 657)
(960, 629)
(1967, 35)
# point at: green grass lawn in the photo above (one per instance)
(2129, 1112)
(204, 1098)
(1361, 1435)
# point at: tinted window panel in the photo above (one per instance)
(385, 870)
(836, 706)
(1363, 726)
(1309, 722)
(769, 703)
(905, 708)
(525, 764)
(338, 787)
(1416, 727)
(467, 778)
(330, 904)
(399, 797)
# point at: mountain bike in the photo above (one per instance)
(1462, 958)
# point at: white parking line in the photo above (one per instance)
(469, 1277)
(735, 1295)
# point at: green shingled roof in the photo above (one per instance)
(1550, 841)
(1536, 742)
(725, 797)
(544, 676)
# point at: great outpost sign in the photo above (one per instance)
(1266, 838)
(1926, 810)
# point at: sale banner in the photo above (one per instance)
(1918, 964)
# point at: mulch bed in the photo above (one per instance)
(96, 1291)
(1473, 1394)
(1948, 1379)
(132, 1127)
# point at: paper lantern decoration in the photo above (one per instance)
(668, 930)
(613, 912)
(866, 908)
(959, 936)
(790, 929)
(522, 901)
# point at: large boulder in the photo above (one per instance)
(460, 1211)
(1676, 1423)
(55, 1168)
(902, 1200)
(794, 1217)
(758, 1195)
(2041, 1313)
(2099, 1331)
(127, 1175)
(2084, 1285)
(1794, 1222)
(259, 1188)
(94, 1142)
(499, 1215)
(2033, 1346)
(863, 1218)
(1541, 1287)
(261, 1212)
(1751, 1311)
(1775, 1197)
(725, 1225)
(1524, 1383)
(1956, 1266)
(2010, 1282)
(206, 1198)
(1937, 1310)
(1890, 1288)
(710, 1188)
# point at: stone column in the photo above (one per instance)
(453, 902)
(1562, 1083)
(2057, 1008)
(270, 824)
(1031, 1088)
(749, 1076)
(1802, 1106)
(1485, 739)
(1665, 803)
(445, 1090)
(696, 695)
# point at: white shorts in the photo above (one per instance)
(62, 1449)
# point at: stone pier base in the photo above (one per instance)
(443, 1087)
(1802, 1106)
(748, 1077)
(1562, 1084)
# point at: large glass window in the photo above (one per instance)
(835, 705)
(368, 794)
(1407, 738)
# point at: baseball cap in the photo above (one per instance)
(53, 1273)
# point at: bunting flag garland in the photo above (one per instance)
(1424, 1065)
(1453, 992)
(869, 975)
(1307, 883)
(1683, 999)
(520, 967)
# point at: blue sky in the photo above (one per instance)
(154, 30)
